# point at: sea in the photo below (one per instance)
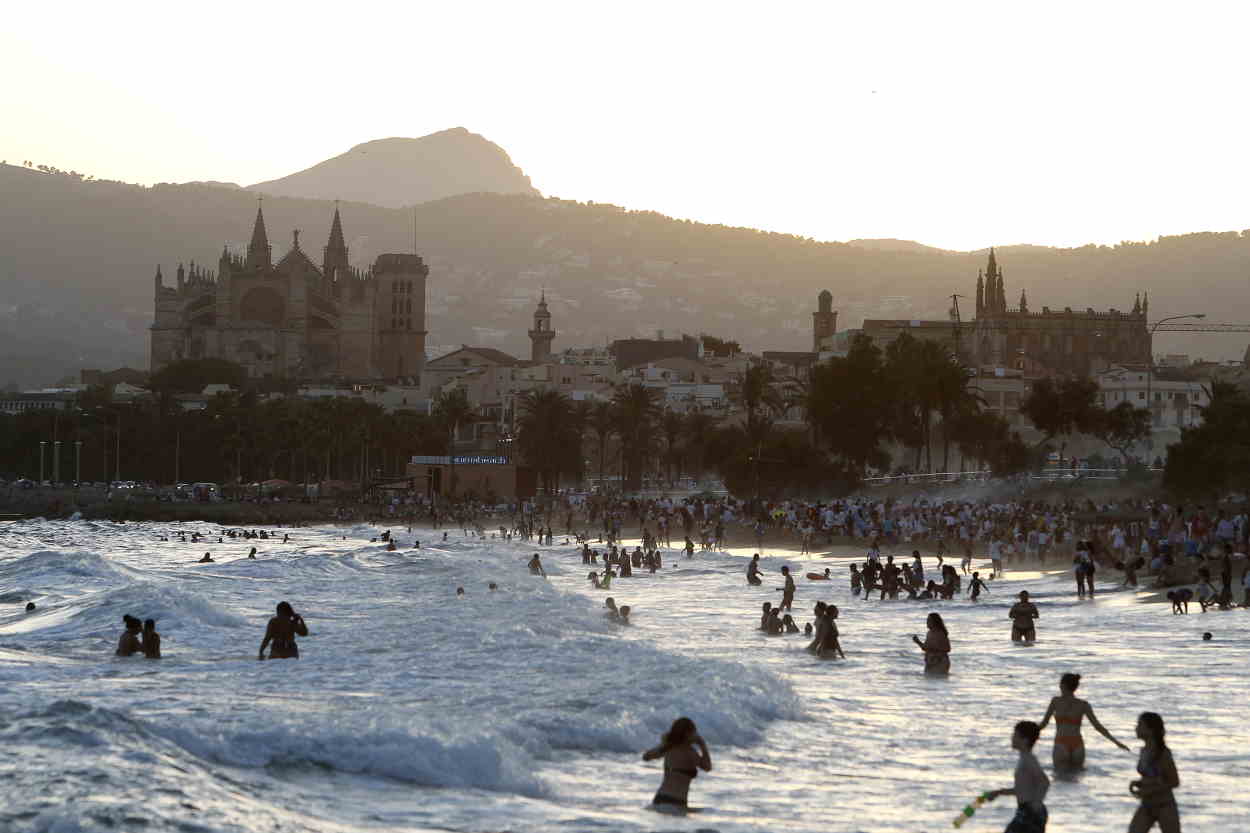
(525, 709)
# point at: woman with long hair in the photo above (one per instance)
(684, 754)
(1158, 779)
(1068, 711)
(936, 646)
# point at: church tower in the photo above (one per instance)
(259, 253)
(542, 335)
(399, 315)
(334, 255)
(824, 319)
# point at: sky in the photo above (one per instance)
(960, 125)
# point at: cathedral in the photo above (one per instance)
(1051, 342)
(293, 319)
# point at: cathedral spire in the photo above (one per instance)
(980, 294)
(334, 256)
(1024, 302)
(258, 251)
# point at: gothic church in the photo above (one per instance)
(293, 319)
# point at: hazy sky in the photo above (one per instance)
(955, 124)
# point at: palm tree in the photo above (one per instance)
(547, 434)
(673, 426)
(636, 408)
(602, 422)
(760, 398)
(452, 409)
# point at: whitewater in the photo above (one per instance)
(524, 709)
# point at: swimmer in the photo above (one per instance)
(207, 559)
(612, 612)
(30, 607)
(282, 631)
(1158, 780)
(624, 613)
(493, 586)
(536, 567)
(252, 554)
(1022, 614)
(1068, 710)
(129, 642)
(788, 623)
(1031, 783)
(151, 640)
(459, 592)
(684, 754)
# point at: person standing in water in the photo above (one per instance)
(936, 646)
(787, 592)
(536, 567)
(684, 754)
(754, 576)
(282, 631)
(129, 642)
(151, 640)
(1158, 780)
(1030, 784)
(1022, 614)
(1068, 711)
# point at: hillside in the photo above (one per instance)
(398, 172)
(77, 259)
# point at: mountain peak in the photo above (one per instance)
(400, 171)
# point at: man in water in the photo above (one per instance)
(129, 643)
(207, 559)
(151, 640)
(536, 567)
(282, 631)
(1031, 783)
(976, 586)
(787, 592)
(1022, 614)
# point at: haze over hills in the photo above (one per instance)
(77, 258)
(397, 172)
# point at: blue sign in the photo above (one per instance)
(480, 460)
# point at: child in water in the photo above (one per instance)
(976, 586)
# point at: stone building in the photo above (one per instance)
(294, 319)
(824, 320)
(1050, 342)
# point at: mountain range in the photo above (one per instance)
(78, 254)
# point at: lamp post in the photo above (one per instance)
(42, 443)
(1150, 373)
(56, 461)
(77, 463)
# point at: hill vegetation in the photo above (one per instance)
(77, 258)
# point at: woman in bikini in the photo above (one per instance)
(936, 646)
(682, 762)
(1158, 780)
(1068, 711)
(282, 631)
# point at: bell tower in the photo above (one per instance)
(824, 319)
(542, 335)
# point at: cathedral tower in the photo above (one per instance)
(399, 315)
(542, 335)
(259, 253)
(334, 255)
(824, 319)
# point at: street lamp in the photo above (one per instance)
(42, 443)
(1150, 374)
